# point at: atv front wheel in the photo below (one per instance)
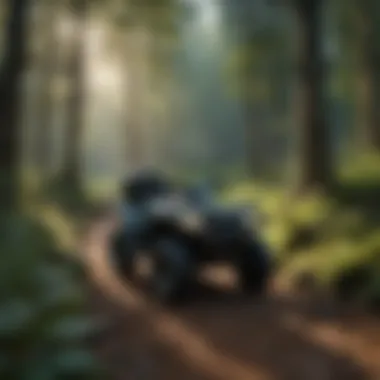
(122, 254)
(172, 271)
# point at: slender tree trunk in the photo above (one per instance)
(314, 140)
(75, 102)
(369, 80)
(48, 69)
(253, 140)
(252, 119)
(11, 73)
(135, 100)
(256, 121)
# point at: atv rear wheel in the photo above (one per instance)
(255, 268)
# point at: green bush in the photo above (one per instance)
(43, 324)
(336, 238)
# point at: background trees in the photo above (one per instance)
(314, 152)
(76, 74)
(11, 75)
(288, 69)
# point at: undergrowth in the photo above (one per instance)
(335, 238)
(43, 321)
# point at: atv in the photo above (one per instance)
(165, 234)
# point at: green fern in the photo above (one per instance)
(43, 325)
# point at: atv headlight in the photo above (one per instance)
(192, 221)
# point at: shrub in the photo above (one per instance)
(43, 324)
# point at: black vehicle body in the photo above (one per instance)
(215, 238)
(195, 230)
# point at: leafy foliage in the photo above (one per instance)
(43, 325)
(337, 238)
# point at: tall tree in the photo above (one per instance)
(369, 77)
(11, 71)
(76, 98)
(47, 68)
(263, 81)
(135, 56)
(261, 63)
(314, 140)
(148, 21)
(359, 29)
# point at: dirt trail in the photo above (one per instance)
(221, 336)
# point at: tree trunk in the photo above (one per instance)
(11, 73)
(369, 80)
(253, 137)
(252, 114)
(315, 154)
(75, 102)
(48, 69)
(135, 56)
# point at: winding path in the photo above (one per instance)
(221, 336)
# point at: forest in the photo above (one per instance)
(274, 103)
